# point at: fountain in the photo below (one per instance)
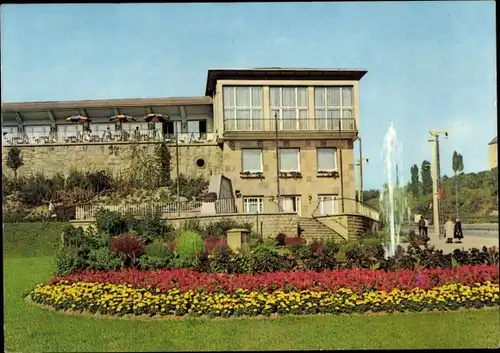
(393, 204)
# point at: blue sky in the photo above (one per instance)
(431, 65)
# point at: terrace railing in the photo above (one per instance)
(308, 124)
(345, 206)
(98, 137)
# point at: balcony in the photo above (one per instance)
(312, 128)
(144, 136)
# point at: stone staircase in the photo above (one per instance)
(314, 229)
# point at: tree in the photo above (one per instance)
(458, 167)
(14, 160)
(414, 184)
(425, 172)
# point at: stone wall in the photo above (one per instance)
(272, 224)
(114, 157)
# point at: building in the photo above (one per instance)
(493, 153)
(283, 137)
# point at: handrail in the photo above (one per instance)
(289, 124)
(327, 226)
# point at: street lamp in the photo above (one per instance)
(359, 164)
(436, 176)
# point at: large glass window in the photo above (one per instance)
(289, 105)
(334, 108)
(251, 160)
(69, 131)
(289, 159)
(243, 108)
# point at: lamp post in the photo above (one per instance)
(359, 164)
(436, 178)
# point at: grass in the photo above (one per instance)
(32, 239)
(29, 328)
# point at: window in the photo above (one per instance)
(253, 204)
(251, 160)
(64, 131)
(327, 159)
(289, 159)
(243, 108)
(196, 129)
(9, 130)
(333, 108)
(328, 204)
(289, 104)
(290, 204)
(100, 129)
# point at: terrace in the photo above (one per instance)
(34, 123)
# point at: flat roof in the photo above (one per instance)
(279, 73)
(104, 103)
(50, 112)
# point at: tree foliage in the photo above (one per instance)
(14, 160)
(425, 172)
(414, 186)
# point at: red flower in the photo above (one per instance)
(355, 279)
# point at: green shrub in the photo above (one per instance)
(148, 263)
(158, 248)
(103, 259)
(99, 181)
(152, 227)
(110, 222)
(77, 179)
(188, 246)
(66, 262)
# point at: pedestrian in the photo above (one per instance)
(457, 231)
(449, 228)
(52, 210)
(421, 226)
(426, 227)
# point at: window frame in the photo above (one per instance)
(298, 159)
(297, 203)
(330, 123)
(329, 197)
(300, 124)
(250, 124)
(243, 150)
(322, 170)
(259, 202)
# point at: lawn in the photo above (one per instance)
(28, 328)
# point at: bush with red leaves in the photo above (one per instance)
(128, 246)
(213, 243)
(294, 240)
(360, 280)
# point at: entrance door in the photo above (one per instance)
(328, 204)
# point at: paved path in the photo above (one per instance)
(468, 242)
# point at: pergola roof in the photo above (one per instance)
(50, 112)
(279, 73)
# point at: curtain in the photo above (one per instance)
(328, 204)
(252, 160)
(289, 160)
(333, 108)
(326, 159)
(243, 108)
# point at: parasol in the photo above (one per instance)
(78, 119)
(120, 119)
(156, 118)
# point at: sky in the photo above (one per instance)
(431, 65)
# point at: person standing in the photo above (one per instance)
(449, 228)
(426, 227)
(421, 226)
(457, 231)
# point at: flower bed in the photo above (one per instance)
(119, 299)
(358, 280)
(185, 292)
